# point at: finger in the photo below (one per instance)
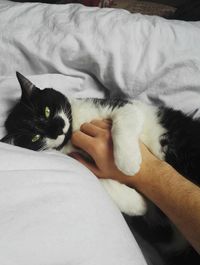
(90, 129)
(83, 141)
(108, 121)
(90, 166)
(103, 124)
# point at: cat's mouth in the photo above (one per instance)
(55, 143)
(64, 138)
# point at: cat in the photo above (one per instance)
(45, 119)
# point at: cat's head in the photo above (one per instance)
(40, 120)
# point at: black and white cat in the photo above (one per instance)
(45, 119)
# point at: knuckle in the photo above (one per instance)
(95, 121)
(84, 125)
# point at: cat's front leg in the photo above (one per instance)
(126, 128)
(69, 148)
(128, 200)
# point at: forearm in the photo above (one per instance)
(177, 197)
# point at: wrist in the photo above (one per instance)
(148, 175)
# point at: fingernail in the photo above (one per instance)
(72, 154)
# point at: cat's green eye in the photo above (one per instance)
(47, 112)
(35, 138)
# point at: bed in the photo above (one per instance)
(52, 209)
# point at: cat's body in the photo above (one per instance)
(138, 118)
(45, 119)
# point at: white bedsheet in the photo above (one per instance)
(53, 211)
(124, 52)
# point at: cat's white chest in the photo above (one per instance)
(86, 111)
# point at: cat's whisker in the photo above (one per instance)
(43, 148)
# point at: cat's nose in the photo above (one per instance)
(59, 131)
(56, 127)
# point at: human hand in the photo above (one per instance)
(96, 140)
(155, 179)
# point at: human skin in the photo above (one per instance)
(176, 196)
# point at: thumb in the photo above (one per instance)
(92, 167)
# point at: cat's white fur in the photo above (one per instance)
(54, 143)
(62, 115)
(130, 123)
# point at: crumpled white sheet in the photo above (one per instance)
(53, 211)
(123, 51)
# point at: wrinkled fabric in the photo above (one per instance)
(54, 211)
(123, 52)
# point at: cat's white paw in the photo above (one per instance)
(134, 205)
(128, 200)
(68, 148)
(128, 161)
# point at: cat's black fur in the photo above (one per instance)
(154, 232)
(32, 121)
(188, 11)
(182, 141)
(182, 151)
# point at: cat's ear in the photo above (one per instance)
(26, 86)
